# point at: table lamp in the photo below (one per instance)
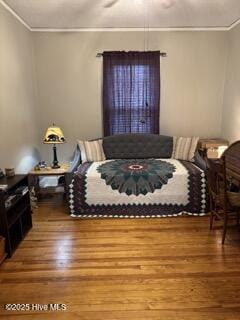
(54, 135)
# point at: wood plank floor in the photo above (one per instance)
(170, 268)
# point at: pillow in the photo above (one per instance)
(184, 148)
(91, 150)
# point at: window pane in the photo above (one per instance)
(135, 103)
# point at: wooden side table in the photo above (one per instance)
(34, 175)
(212, 148)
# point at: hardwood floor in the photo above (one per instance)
(170, 268)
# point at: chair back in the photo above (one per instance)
(215, 179)
(231, 161)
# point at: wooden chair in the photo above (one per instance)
(231, 165)
(214, 173)
(223, 176)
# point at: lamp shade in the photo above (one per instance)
(54, 135)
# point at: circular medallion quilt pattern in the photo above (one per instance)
(135, 177)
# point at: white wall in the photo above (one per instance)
(231, 106)
(69, 81)
(18, 121)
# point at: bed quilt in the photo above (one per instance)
(130, 188)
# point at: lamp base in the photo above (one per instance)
(55, 166)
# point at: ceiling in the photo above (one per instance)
(116, 14)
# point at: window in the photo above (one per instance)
(131, 92)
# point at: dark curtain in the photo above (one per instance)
(131, 92)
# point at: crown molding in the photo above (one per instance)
(128, 29)
(232, 26)
(15, 15)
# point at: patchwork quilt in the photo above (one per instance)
(130, 188)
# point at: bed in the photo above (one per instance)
(133, 182)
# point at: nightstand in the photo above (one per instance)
(35, 175)
(212, 148)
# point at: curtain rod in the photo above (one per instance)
(162, 54)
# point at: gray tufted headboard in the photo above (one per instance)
(137, 146)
